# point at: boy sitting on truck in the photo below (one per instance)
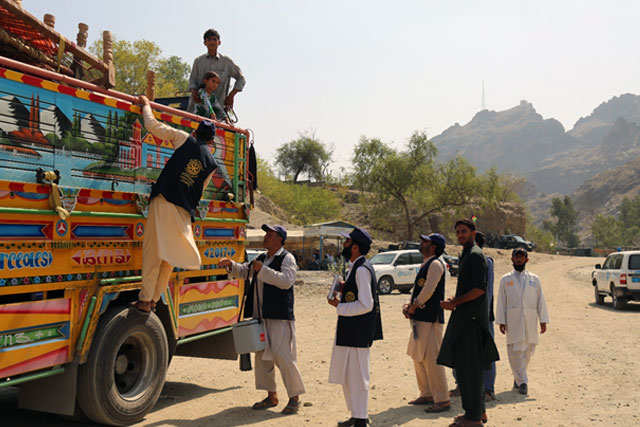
(209, 105)
(168, 240)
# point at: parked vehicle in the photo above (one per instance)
(452, 263)
(76, 167)
(619, 278)
(512, 241)
(398, 269)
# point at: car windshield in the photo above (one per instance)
(634, 262)
(519, 239)
(382, 259)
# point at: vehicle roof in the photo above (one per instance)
(400, 251)
(625, 253)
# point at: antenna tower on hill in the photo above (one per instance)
(484, 104)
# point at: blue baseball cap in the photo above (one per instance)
(359, 236)
(436, 238)
(206, 130)
(278, 229)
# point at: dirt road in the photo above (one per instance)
(582, 372)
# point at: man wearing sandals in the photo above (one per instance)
(359, 324)
(467, 345)
(427, 320)
(168, 239)
(270, 297)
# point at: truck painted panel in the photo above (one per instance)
(207, 306)
(34, 335)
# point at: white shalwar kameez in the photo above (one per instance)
(350, 365)
(521, 307)
(280, 334)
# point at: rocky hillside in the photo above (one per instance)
(554, 161)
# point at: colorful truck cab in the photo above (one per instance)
(76, 167)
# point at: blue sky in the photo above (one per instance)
(384, 69)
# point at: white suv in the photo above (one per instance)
(618, 277)
(396, 270)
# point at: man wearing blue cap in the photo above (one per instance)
(168, 239)
(359, 324)
(427, 324)
(270, 298)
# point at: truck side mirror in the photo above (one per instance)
(598, 266)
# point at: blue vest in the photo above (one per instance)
(277, 303)
(362, 330)
(182, 178)
(431, 312)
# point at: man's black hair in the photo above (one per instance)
(439, 250)
(467, 222)
(480, 238)
(211, 32)
(363, 249)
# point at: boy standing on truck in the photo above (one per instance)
(168, 239)
(222, 65)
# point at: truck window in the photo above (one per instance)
(404, 259)
(617, 262)
(634, 262)
(416, 258)
(608, 263)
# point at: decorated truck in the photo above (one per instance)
(76, 168)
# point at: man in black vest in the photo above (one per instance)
(270, 298)
(359, 324)
(168, 238)
(467, 345)
(427, 324)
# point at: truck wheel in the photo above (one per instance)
(385, 285)
(126, 368)
(598, 295)
(616, 302)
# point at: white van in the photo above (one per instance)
(619, 278)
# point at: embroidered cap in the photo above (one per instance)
(206, 130)
(436, 238)
(278, 229)
(359, 236)
(517, 251)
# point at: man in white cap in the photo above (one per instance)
(359, 324)
(520, 305)
(270, 297)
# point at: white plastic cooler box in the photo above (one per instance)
(248, 336)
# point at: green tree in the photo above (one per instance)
(304, 155)
(303, 204)
(133, 59)
(410, 186)
(566, 217)
(607, 230)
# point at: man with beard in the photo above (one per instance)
(359, 324)
(427, 320)
(520, 305)
(467, 345)
(270, 297)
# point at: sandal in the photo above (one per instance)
(142, 307)
(264, 404)
(292, 407)
(461, 418)
(422, 400)
(438, 407)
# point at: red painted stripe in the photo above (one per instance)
(96, 98)
(55, 357)
(67, 90)
(30, 80)
(85, 192)
(123, 105)
(59, 306)
(16, 186)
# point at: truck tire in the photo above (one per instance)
(385, 285)
(616, 302)
(598, 295)
(126, 368)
